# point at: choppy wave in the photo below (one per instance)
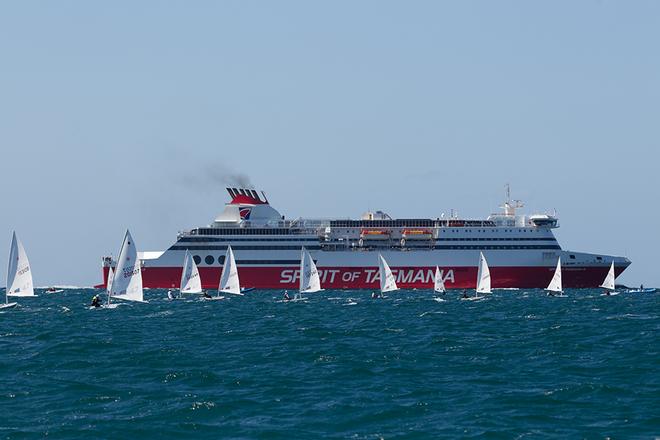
(519, 365)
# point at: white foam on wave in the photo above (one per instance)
(159, 314)
(432, 313)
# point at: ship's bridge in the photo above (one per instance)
(510, 218)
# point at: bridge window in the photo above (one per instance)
(572, 257)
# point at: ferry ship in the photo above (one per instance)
(521, 250)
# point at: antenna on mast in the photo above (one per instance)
(509, 207)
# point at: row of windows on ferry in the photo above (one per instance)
(314, 240)
(311, 239)
(343, 224)
(241, 231)
(210, 259)
(404, 223)
(550, 244)
(467, 230)
(492, 231)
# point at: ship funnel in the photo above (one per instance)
(246, 197)
(247, 205)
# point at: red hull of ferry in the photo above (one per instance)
(366, 278)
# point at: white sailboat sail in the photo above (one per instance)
(387, 281)
(111, 277)
(439, 283)
(19, 274)
(190, 280)
(555, 283)
(229, 282)
(608, 283)
(309, 275)
(483, 276)
(127, 282)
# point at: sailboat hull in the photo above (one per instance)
(609, 294)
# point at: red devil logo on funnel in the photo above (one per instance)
(245, 213)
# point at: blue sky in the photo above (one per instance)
(131, 114)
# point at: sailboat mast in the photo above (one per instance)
(109, 291)
(8, 269)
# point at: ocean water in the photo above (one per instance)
(339, 365)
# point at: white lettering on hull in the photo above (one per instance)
(370, 276)
(293, 275)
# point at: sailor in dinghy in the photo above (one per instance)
(96, 299)
(96, 302)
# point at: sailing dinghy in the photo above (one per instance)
(483, 279)
(310, 281)
(229, 282)
(608, 283)
(555, 283)
(438, 284)
(190, 280)
(126, 283)
(387, 281)
(19, 274)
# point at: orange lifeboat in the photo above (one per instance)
(374, 235)
(417, 234)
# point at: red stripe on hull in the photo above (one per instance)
(367, 277)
